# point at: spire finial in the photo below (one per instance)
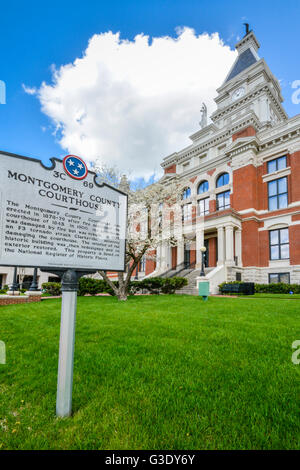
(247, 28)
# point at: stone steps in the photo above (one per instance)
(191, 288)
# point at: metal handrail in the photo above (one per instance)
(179, 268)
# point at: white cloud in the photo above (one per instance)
(29, 90)
(131, 103)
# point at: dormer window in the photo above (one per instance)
(277, 164)
(222, 180)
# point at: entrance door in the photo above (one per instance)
(187, 256)
(206, 254)
(174, 257)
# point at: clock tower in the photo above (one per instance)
(250, 91)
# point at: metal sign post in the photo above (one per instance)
(66, 344)
(69, 288)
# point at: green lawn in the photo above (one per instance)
(155, 372)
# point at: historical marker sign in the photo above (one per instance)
(61, 220)
(59, 217)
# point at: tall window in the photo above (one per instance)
(186, 193)
(203, 206)
(223, 201)
(277, 164)
(223, 180)
(203, 187)
(279, 244)
(274, 278)
(278, 194)
(159, 221)
(186, 212)
(142, 265)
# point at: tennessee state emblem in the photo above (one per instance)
(75, 167)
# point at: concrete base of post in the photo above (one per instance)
(32, 292)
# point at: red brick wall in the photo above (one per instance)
(294, 159)
(250, 243)
(150, 264)
(193, 256)
(194, 212)
(19, 299)
(174, 257)
(249, 131)
(255, 244)
(170, 169)
(294, 233)
(264, 256)
(212, 247)
(244, 188)
(262, 188)
(212, 205)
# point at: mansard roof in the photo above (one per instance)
(244, 60)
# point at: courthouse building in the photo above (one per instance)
(243, 172)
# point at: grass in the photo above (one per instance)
(278, 296)
(155, 372)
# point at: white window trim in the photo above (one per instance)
(276, 174)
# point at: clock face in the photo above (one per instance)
(238, 93)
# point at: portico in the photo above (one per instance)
(221, 237)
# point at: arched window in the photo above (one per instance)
(203, 187)
(222, 180)
(186, 193)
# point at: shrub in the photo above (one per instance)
(171, 284)
(278, 288)
(52, 288)
(91, 286)
(4, 289)
(152, 284)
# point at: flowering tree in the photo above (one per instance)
(154, 216)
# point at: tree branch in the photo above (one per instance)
(109, 282)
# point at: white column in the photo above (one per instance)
(238, 246)
(10, 276)
(229, 244)
(199, 244)
(221, 251)
(169, 255)
(164, 256)
(180, 251)
(158, 257)
(43, 277)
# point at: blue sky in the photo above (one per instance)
(35, 35)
